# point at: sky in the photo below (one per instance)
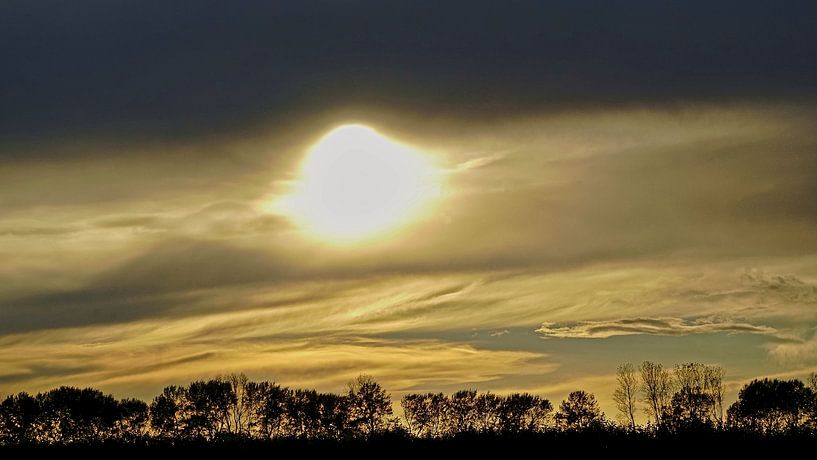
(612, 182)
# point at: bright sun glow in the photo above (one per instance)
(356, 184)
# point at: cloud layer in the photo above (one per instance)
(147, 71)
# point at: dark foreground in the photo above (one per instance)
(550, 446)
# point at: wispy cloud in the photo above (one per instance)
(800, 351)
(653, 326)
(140, 361)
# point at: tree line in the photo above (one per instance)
(685, 398)
(690, 397)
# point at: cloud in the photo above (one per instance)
(173, 274)
(652, 326)
(137, 72)
(786, 287)
(568, 190)
(798, 351)
(140, 362)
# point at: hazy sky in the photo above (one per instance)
(618, 181)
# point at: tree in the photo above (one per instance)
(523, 412)
(314, 415)
(267, 405)
(132, 420)
(166, 412)
(626, 393)
(304, 414)
(19, 415)
(690, 410)
(489, 409)
(207, 408)
(771, 405)
(462, 411)
(369, 405)
(414, 414)
(72, 415)
(426, 415)
(812, 385)
(691, 405)
(238, 414)
(714, 387)
(579, 411)
(334, 415)
(698, 401)
(656, 389)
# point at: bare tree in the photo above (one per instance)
(239, 413)
(626, 393)
(714, 387)
(690, 376)
(656, 389)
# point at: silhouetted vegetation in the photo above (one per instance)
(679, 402)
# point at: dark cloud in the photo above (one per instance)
(144, 70)
(170, 276)
(45, 370)
(171, 363)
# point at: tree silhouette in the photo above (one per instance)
(656, 388)
(266, 404)
(235, 409)
(626, 393)
(426, 415)
(524, 412)
(690, 410)
(238, 416)
(303, 413)
(166, 412)
(771, 405)
(132, 420)
(489, 412)
(207, 407)
(369, 405)
(812, 409)
(579, 411)
(72, 415)
(462, 411)
(335, 415)
(713, 385)
(19, 415)
(416, 414)
(699, 397)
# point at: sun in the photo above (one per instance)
(356, 184)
